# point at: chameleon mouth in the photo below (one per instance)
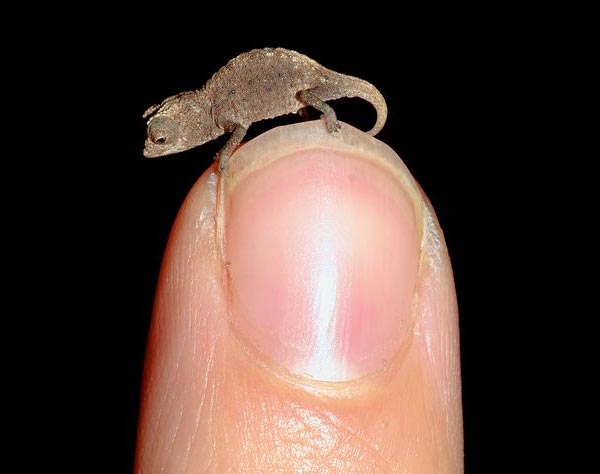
(149, 154)
(154, 151)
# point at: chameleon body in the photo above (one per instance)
(257, 85)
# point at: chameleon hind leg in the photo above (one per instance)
(310, 97)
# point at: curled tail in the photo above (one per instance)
(367, 91)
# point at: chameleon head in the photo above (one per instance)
(179, 123)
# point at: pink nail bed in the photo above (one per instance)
(323, 253)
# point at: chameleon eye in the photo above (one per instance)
(163, 130)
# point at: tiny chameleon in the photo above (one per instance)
(257, 85)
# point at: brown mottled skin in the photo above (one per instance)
(257, 85)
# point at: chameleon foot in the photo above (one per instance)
(332, 124)
(310, 97)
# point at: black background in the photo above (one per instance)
(451, 86)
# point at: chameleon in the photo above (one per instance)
(256, 85)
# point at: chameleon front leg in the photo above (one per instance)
(238, 132)
(309, 97)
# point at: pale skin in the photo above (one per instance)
(213, 402)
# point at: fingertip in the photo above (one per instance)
(264, 230)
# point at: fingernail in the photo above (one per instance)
(322, 246)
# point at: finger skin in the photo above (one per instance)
(212, 403)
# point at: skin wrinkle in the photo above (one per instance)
(316, 437)
(174, 437)
(440, 346)
(216, 430)
(206, 223)
(320, 435)
(289, 437)
(202, 404)
(171, 394)
(186, 285)
(249, 432)
(356, 436)
(212, 454)
(442, 349)
(163, 407)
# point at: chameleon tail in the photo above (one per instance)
(367, 91)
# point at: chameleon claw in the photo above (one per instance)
(222, 163)
(333, 126)
(331, 122)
